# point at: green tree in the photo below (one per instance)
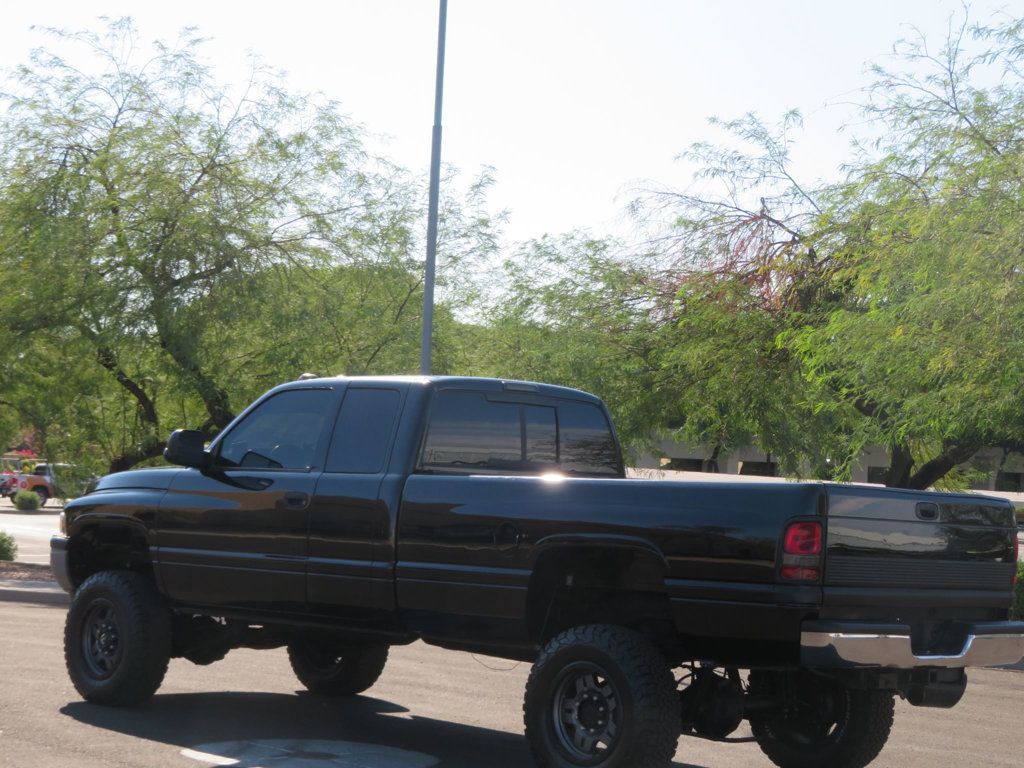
(885, 310)
(925, 333)
(132, 194)
(170, 246)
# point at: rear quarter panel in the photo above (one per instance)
(467, 545)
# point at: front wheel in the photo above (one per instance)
(601, 695)
(333, 669)
(117, 638)
(822, 723)
(43, 495)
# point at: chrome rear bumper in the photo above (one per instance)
(851, 644)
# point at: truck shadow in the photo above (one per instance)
(273, 730)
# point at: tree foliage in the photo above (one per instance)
(171, 246)
(921, 331)
(896, 295)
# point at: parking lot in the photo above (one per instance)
(430, 708)
(31, 530)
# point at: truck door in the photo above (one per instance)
(351, 547)
(235, 535)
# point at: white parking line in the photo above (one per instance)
(301, 753)
(42, 533)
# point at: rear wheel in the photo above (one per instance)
(334, 669)
(601, 695)
(822, 723)
(117, 638)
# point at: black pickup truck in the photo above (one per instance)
(340, 516)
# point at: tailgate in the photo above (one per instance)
(941, 549)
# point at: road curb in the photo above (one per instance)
(42, 592)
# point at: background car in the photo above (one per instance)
(49, 481)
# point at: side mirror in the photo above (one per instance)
(185, 447)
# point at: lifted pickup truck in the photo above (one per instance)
(340, 516)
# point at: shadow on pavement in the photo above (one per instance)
(194, 721)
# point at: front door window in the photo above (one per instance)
(283, 432)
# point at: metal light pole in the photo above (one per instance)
(435, 183)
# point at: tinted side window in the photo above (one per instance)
(362, 437)
(585, 440)
(467, 430)
(281, 433)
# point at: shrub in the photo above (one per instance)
(1018, 597)
(26, 501)
(8, 549)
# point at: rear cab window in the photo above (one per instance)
(471, 432)
(365, 431)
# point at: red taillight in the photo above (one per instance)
(801, 552)
(803, 539)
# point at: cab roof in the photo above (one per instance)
(477, 383)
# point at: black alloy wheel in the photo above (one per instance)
(586, 712)
(101, 639)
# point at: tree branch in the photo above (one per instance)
(151, 449)
(933, 471)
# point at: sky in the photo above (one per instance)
(574, 103)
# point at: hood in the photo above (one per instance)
(156, 479)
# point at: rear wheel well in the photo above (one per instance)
(108, 547)
(576, 585)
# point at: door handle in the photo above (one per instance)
(296, 500)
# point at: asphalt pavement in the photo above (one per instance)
(430, 708)
(31, 530)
